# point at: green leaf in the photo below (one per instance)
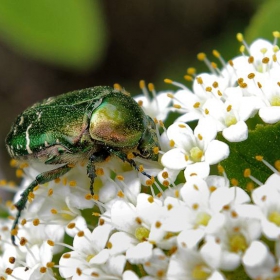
(265, 21)
(68, 33)
(263, 141)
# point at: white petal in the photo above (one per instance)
(206, 127)
(229, 261)
(130, 275)
(120, 241)
(190, 238)
(115, 265)
(237, 132)
(256, 254)
(201, 169)
(216, 152)
(211, 253)
(123, 216)
(174, 159)
(100, 258)
(100, 235)
(270, 114)
(141, 253)
(257, 259)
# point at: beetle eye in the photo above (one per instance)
(145, 153)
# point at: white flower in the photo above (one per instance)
(258, 262)
(192, 147)
(38, 259)
(156, 107)
(191, 264)
(88, 252)
(267, 198)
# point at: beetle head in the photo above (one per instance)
(148, 141)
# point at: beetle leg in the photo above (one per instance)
(40, 179)
(124, 158)
(94, 158)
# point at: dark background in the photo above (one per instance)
(149, 40)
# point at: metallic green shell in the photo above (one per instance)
(61, 119)
(76, 125)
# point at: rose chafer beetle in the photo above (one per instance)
(89, 124)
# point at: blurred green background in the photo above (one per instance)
(49, 47)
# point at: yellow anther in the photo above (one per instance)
(50, 264)
(140, 103)
(71, 225)
(99, 171)
(199, 136)
(196, 104)
(277, 164)
(234, 182)
(13, 163)
(251, 76)
(243, 85)
(117, 87)
(142, 84)
(36, 222)
(216, 53)
(177, 106)
(156, 150)
(188, 78)
(230, 62)
(170, 95)
(72, 183)
(276, 34)
(265, 60)
(229, 107)
(199, 80)
(50, 243)
(206, 111)
(171, 143)
(130, 156)
(151, 87)
(219, 93)
(168, 81)
(215, 84)
(259, 84)
(120, 177)
(251, 59)
(242, 49)
(239, 37)
(247, 173)
(19, 173)
(182, 125)
(259, 158)
(66, 256)
(57, 180)
(208, 89)
(274, 57)
(54, 211)
(165, 183)
(43, 269)
(88, 196)
(150, 199)
(201, 56)
(95, 197)
(50, 192)
(220, 169)
(214, 65)
(191, 70)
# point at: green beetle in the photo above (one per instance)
(89, 124)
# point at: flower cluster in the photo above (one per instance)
(186, 221)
